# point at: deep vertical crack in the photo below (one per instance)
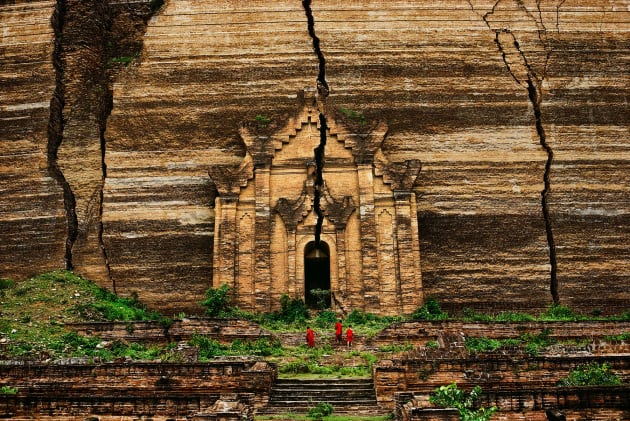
(536, 99)
(320, 151)
(319, 180)
(523, 72)
(55, 131)
(322, 85)
(101, 192)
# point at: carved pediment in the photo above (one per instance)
(229, 178)
(337, 210)
(294, 211)
(364, 146)
(402, 176)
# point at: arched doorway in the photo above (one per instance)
(317, 275)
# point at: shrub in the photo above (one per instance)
(208, 348)
(509, 316)
(484, 344)
(6, 283)
(325, 319)
(217, 302)
(625, 336)
(559, 313)
(353, 115)
(292, 310)
(322, 409)
(262, 120)
(474, 316)
(451, 396)
(8, 390)
(533, 343)
(591, 374)
(261, 346)
(430, 310)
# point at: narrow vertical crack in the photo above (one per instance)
(558, 15)
(55, 131)
(320, 151)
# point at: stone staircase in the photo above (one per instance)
(356, 396)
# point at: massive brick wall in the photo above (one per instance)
(131, 390)
(494, 375)
(33, 227)
(482, 92)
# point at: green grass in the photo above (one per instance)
(592, 374)
(532, 344)
(35, 311)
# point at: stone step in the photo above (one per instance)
(345, 395)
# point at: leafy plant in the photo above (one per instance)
(111, 307)
(474, 316)
(353, 115)
(432, 344)
(321, 410)
(592, 374)
(325, 319)
(625, 336)
(509, 316)
(207, 347)
(262, 120)
(124, 60)
(322, 297)
(451, 396)
(430, 310)
(8, 390)
(483, 344)
(292, 310)
(560, 313)
(217, 302)
(534, 343)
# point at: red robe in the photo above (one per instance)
(310, 337)
(338, 331)
(349, 335)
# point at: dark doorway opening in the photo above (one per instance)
(317, 275)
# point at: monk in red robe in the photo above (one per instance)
(338, 331)
(349, 336)
(310, 337)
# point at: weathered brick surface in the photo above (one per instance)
(223, 330)
(492, 373)
(137, 389)
(419, 333)
(577, 404)
(468, 89)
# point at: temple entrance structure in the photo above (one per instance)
(317, 275)
(368, 255)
